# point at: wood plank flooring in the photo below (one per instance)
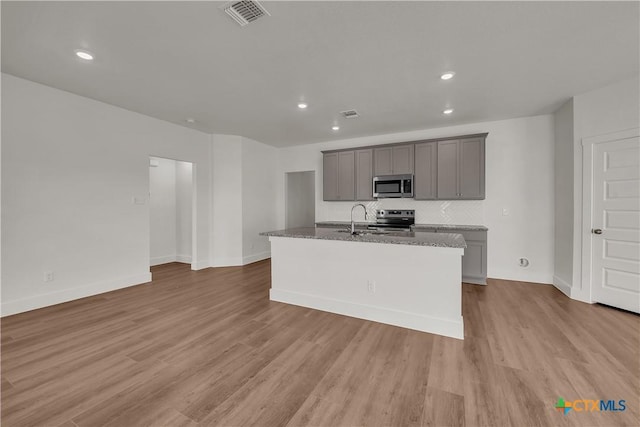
(209, 348)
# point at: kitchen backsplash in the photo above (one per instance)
(464, 212)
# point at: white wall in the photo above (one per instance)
(258, 199)
(226, 238)
(162, 211)
(300, 188)
(184, 211)
(244, 199)
(71, 167)
(563, 197)
(519, 177)
(606, 110)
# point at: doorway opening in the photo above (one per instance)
(171, 210)
(300, 199)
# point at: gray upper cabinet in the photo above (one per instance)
(364, 174)
(426, 171)
(443, 169)
(383, 161)
(330, 177)
(472, 168)
(339, 176)
(461, 169)
(394, 160)
(402, 159)
(448, 169)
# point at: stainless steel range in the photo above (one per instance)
(394, 220)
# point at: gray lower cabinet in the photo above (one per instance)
(461, 169)
(338, 176)
(364, 174)
(426, 171)
(474, 260)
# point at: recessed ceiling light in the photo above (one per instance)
(335, 127)
(190, 120)
(83, 54)
(302, 105)
(448, 111)
(448, 75)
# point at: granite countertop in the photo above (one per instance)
(342, 224)
(442, 240)
(416, 227)
(439, 227)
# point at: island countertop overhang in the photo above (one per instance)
(418, 238)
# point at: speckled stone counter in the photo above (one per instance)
(444, 227)
(416, 227)
(342, 224)
(442, 240)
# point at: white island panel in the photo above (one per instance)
(416, 287)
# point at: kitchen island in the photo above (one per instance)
(412, 280)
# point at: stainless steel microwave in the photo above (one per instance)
(392, 186)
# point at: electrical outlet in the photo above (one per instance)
(371, 286)
(48, 276)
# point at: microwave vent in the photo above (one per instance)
(245, 11)
(350, 114)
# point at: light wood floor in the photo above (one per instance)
(209, 348)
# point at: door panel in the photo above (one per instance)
(426, 171)
(471, 169)
(364, 175)
(616, 198)
(402, 159)
(383, 163)
(330, 177)
(346, 175)
(448, 170)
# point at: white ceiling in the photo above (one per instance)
(174, 60)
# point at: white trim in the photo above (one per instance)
(249, 259)
(418, 322)
(199, 265)
(183, 258)
(522, 276)
(475, 280)
(584, 292)
(162, 260)
(562, 286)
(65, 295)
(226, 262)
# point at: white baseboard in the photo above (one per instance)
(199, 265)
(183, 258)
(562, 286)
(162, 260)
(226, 262)
(256, 257)
(65, 295)
(419, 322)
(522, 276)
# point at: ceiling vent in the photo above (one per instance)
(350, 114)
(244, 12)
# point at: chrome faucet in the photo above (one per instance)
(353, 225)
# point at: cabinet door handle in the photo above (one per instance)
(596, 231)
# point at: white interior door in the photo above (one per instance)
(615, 234)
